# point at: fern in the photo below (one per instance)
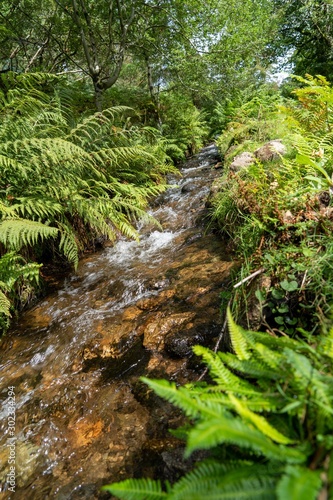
(212, 432)
(181, 397)
(15, 273)
(67, 181)
(253, 368)
(281, 422)
(259, 422)
(240, 338)
(131, 489)
(4, 304)
(68, 243)
(230, 480)
(299, 482)
(15, 233)
(222, 376)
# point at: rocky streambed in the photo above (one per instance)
(82, 416)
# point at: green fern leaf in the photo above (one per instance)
(180, 397)
(299, 482)
(260, 422)
(212, 432)
(275, 342)
(255, 402)
(220, 373)
(271, 358)
(253, 368)
(4, 304)
(225, 480)
(239, 338)
(68, 244)
(15, 233)
(137, 489)
(326, 344)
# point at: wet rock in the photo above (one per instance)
(131, 313)
(152, 302)
(85, 431)
(188, 187)
(270, 151)
(180, 344)
(157, 327)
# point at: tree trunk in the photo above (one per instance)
(153, 95)
(98, 95)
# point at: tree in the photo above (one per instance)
(305, 35)
(198, 46)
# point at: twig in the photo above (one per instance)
(69, 71)
(249, 277)
(303, 281)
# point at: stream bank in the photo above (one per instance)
(83, 418)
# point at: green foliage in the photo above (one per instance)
(304, 37)
(15, 233)
(18, 279)
(299, 482)
(65, 182)
(131, 489)
(278, 213)
(268, 412)
(182, 125)
(251, 120)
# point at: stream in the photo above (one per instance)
(74, 413)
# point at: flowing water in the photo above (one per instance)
(74, 413)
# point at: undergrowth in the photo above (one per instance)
(278, 214)
(265, 420)
(66, 180)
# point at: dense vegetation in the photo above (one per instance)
(265, 413)
(98, 101)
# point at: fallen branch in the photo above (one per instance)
(249, 277)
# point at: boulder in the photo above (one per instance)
(241, 161)
(270, 151)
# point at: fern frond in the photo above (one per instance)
(253, 367)
(137, 489)
(37, 208)
(239, 338)
(212, 432)
(254, 401)
(68, 244)
(15, 233)
(326, 344)
(271, 358)
(181, 397)
(4, 304)
(225, 480)
(274, 342)
(299, 482)
(221, 374)
(258, 421)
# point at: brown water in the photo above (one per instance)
(82, 417)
